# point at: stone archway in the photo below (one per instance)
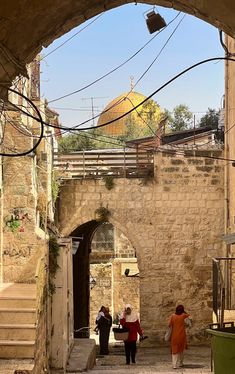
(82, 274)
(28, 26)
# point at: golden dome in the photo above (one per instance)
(119, 106)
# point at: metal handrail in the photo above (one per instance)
(82, 328)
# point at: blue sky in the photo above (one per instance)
(113, 38)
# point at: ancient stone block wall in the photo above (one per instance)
(174, 223)
(125, 290)
(101, 294)
(21, 247)
(123, 247)
(113, 289)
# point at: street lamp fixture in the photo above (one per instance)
(92, 282)
(127, 271)
(154, 21)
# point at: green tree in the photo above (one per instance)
(86, 141)
(211, 118)
(180, 118)
(76, 142)
(150, 113)
(142, 122)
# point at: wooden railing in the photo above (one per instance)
(97, 164)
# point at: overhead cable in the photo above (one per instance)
(74, 128)
(114, 69)
(37, 119)
(73, 36)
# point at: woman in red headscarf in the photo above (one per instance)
(178, 336)
(130, 320)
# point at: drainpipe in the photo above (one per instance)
(1, 220)
(226, 176)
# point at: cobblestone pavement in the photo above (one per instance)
(153, 360)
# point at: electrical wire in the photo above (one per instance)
(74, 128)
(152, 94)
(160, 52)
(150, 128)
(122, 99)
(38, 120)
(146, 99)
(94, 137)
(169, 151)
(116, 68)
(73, 36)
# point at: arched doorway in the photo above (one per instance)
(100, 263)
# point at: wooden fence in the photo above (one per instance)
(96, 164)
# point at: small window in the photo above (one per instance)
(103, 238)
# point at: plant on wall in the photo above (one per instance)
(148, 178)
(109, 182)
(102, 214)
(17, 219)
(13, 224)
(55, 186)
(42, 208)
(54, 249)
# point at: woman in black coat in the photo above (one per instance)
(104, 323)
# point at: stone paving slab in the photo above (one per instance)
(153, 361)
(9, 366)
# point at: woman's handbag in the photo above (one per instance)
(188, 322)
(120, 333)
(168, 333)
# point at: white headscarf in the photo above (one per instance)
(130, 317)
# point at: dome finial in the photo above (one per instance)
(132, 82)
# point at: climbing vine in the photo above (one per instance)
(55, 186)
(54, 249)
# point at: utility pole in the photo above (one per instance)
(92, 106)
(194, 126)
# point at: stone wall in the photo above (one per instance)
(113, 289)
(126, 290)
(123, 247)
(174, 224)
(101, 294)
(21, 247)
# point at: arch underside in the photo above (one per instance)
(27, 26)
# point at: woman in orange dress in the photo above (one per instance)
(178, 336)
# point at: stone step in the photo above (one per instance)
(17, 295)
(17, 302)
(17, 332)
(16, 349)
(18, 289)
(17, 316)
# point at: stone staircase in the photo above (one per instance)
(17, 320)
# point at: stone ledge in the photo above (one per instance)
(83, 356)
